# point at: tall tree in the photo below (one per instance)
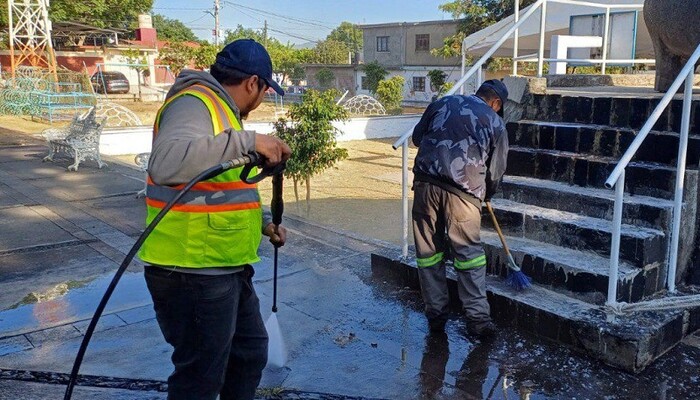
(246, 33)
(100, 13)
(205, 55)
(349, 34)
(177, 56)
(473, 15)
(172, 29)
(331, 52)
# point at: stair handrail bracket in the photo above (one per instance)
(617, 177)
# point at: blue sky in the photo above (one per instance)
(297, 21)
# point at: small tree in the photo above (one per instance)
(137, 63)
(311, 136)
(437, 80)
(374, 73)
(298, 74)
(325, 78)
(390, 94)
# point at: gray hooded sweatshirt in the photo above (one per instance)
(185, 145)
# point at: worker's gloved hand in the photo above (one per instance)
(276, 233)
(272, 149)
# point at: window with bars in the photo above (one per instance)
(382, 43)
(423, 42)
(419, 84)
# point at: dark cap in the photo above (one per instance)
(249, 57)
(500, 89)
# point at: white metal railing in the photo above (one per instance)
(477, 68)
(617, 177)
(539, 57)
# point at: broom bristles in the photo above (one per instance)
(518, 280)
(516, 277)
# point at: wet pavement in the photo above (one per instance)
(62, 235)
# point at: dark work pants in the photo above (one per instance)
(444, 222)
(216, 330)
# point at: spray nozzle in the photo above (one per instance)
(264, 173)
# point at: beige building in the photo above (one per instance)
(403, 48)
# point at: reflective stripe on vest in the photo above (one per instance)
(219, 222)
(223, 193)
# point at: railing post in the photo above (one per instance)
(606, 32)
(464, 67)
(479, 78)
(543, 26)
(516, 37)
(404, 199)
(615, 246)
(680, 180)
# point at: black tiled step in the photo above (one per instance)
(620, 112)
(642, 178)
(650, 212)
(631, 342)
(640, 246)
(580, 274)
(595, 140)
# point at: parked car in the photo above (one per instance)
(115, 82)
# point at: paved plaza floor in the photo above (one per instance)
(349, 334)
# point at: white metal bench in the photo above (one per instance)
(141, 160)
(80, 140)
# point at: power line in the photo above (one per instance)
(180, 9)
(293, 35)
(195, 20)
(285, 17)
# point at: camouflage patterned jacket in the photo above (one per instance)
(462, 143)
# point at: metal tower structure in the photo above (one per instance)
(30, 35)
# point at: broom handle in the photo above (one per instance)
(498, 229)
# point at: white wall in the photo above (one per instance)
(134, 140)
(360, 128)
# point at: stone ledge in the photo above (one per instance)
(588, 80)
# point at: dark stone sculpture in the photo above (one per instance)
(675, 33)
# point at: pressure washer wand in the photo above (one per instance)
(277, 209)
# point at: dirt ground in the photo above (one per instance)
(361, 195)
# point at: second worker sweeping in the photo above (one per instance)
(462, 152)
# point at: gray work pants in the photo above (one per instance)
(443, 221)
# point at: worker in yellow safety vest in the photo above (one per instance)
(198, 258)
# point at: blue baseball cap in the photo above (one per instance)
(500, 89)
(249, 57)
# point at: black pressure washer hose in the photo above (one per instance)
(248, 162)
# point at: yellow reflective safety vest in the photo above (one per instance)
(218, 223)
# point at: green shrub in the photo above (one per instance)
(390, 94)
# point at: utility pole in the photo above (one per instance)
(265, 35)
(216, 23)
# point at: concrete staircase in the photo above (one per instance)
(556, 214)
